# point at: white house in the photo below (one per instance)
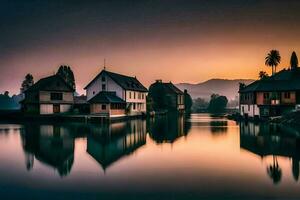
(125, 87)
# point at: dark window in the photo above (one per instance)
(103, 86)
(287, 95)
(129, 95)
(133, 106)
(266, 95)
(103, 107)
(134, 95)
(56, 96)
(93, 92)
(103, 78)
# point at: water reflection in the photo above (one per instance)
(272, 140)
(168, 128)
(107, 144)
(51, 145)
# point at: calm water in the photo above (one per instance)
(166, 158)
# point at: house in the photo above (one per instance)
(166, 96)
(48, 96)
(108, 104)
(127, 88)
(271, 96)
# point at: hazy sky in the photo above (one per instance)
(173, 40)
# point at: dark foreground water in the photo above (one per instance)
(166, 158)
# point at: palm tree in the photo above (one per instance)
(273, 59)
(294, 61)
(263, 75)
(274, 171)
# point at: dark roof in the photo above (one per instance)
(106, 97)
(126, 82)
(168, 87)
(285, 80)
(51, 83)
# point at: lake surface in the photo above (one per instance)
(200, 156)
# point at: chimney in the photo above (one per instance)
(158, 81)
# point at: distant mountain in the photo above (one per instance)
(228, 88)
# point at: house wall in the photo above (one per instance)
(117, 112)
(250, 110)
(46, 109)
(111, 85)
(137, 98)
(68, 97)
(291, 100)
(260, 98)
(96, 108)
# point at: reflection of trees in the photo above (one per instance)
(168, 128)
(50, 144)
(276, 140)
(295, 168)
(218, 127)
(274, 171)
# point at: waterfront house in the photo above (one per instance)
(127, 88)
(107, 104)
(166, 96)
(271, 96)
(49, 95)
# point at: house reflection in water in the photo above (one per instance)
(272, 140)
(51, 145)
(167, 129)
(107, 144)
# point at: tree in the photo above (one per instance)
(67, 74)
(6, 94)
(217, 103)
(28, 82)
(263, 75)
(294, 60)
(273, 59)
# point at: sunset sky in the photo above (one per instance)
(173, 40)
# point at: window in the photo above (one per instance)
(93, 92)
(266, 95)
(103, 78)
(103, 87)
(133, 106)
(287, 95)
(129, 95)
(56, 96)
(248, 107)
(134, 95)
(142, 96)
(103, 107)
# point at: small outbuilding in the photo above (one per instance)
(107, 104)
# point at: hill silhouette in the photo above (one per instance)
(226, 87)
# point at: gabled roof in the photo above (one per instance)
(285, 80)
(126, 82)
(106, 97)
(167, 87)
(51, 83)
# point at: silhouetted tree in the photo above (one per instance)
(188, 102)
(6, 94)
(263, 75)
(28, 82)
(199, 104)
(67, 74)
(294, 60)
(217, 103)
(273, 59)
